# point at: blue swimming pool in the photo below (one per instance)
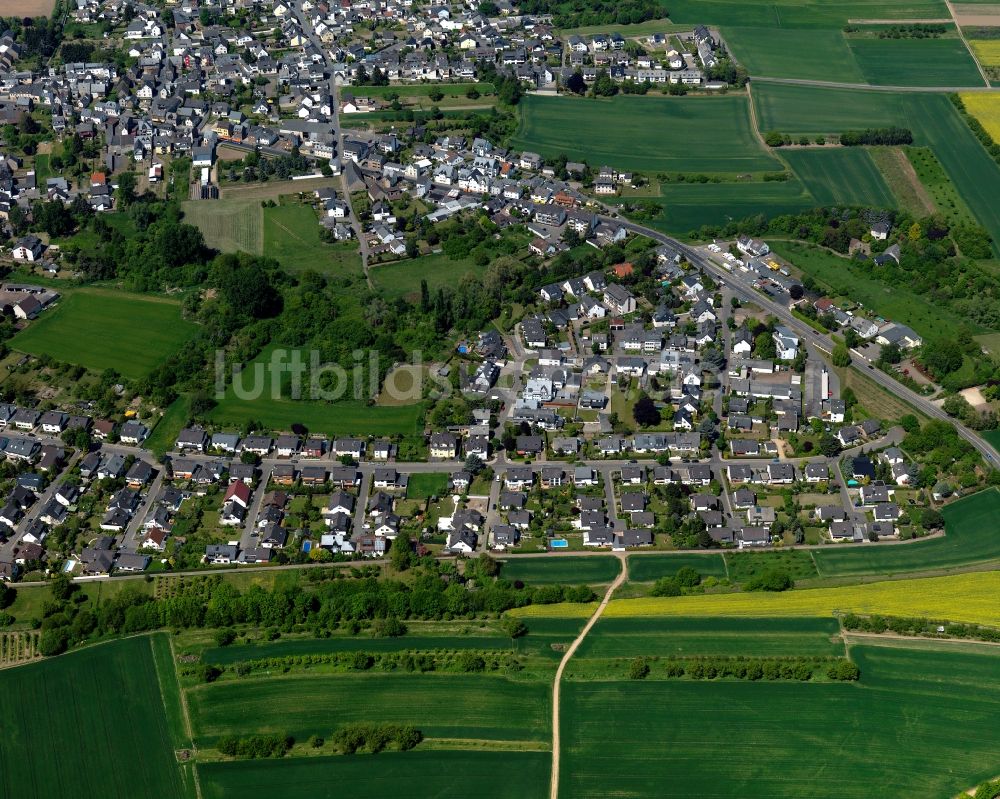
(558, 543)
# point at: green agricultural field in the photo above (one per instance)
(688, 206)
(927, 721)
(797, 14)
(661, 637)
(651, 134)
(915, 62)
(971, 537)
(647, 568)
(291, 236)
(344, 417)
(568, 570)
(839, 276)
(414, 775)
(427, 484)
(808, 109)
(228, 225)
(440, 705)
(102, 329)
(806, 54)
(402, 278)
(322, 646)
(90, 724)
(841, 176)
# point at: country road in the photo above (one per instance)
(622, 576)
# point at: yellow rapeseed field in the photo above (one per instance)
(987, 51)
(984, 106)
(973, 598)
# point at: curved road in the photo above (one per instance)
(554, 780)
(820, 340)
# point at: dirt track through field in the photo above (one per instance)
(622, 576)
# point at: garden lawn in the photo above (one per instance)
(422, 485)
(568, 570)
(972, 537)
(919, 723)
(90, 725)
(841, 176)
(650, 134)
(415, 775)
(644, 637)
(844, 277)
(440, 705)
(101, 329)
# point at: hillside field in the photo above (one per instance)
(102, 329)
(652, 134)
(90, 724)
(437, 774)
(919, 723)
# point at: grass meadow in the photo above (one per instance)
(437, 774)
(228, 225)
(653, 133)
(647, 568)
(101, 329)
(919, 723)
(402, 278)
(427, 484)
(91, 725)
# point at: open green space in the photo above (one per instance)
(90, 724)
(915, 62)
(708, 134)
(841, 176)
(942, 191)
(971, 536)
(403, 278)
(440, 705)
(647, 568)
(102, 329)
(291, 236)
(416, 775)
(227, 225)
(919, 723)
(843, 277)
(164, 434)
(427, 484)
(422, 89)
(688, 206)
(569, 570)
(280, 412)
(661, 637)
(796, 563)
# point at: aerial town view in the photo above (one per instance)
(499, 399)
